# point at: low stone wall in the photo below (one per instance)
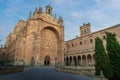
(76, 70)
(90, 72)
(8, 70)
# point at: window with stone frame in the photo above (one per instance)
(81, 43)
(104, 37)
(91, 40)
(72, 45)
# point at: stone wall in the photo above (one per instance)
(80, 71)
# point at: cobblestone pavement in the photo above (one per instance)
(42, 74)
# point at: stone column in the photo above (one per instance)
(81, 61)
(86, 61)
(73, 62)
(69, 62)
(93, 62)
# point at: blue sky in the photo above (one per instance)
(100, 13)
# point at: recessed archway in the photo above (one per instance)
(50, 43)
(89, 58)
(70, 60)
(84, 60)
(32, 61)
(67, 61)
(75, 61)
(47, 60)
(79, 60)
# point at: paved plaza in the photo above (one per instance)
(42, 74)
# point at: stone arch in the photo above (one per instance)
(50, 43)
(84, 60)
(70, 60)
(67, 61)
(75, 60)
(32, 61)
(53, 29)
(79, 60)
(89, 59)
(47, 60)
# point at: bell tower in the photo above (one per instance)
(49, 10)
(85, 29)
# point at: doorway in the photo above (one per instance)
(47, 60)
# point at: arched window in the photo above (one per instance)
(48, 11)
(72, 45)
(81, 43)
(83, 60)
(91, 40)
(89, 58)
(104, 37)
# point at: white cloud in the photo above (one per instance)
(71, 30)
(69, 3)
(75, 12)
(76, 15)
(96, 14)
(114, 4)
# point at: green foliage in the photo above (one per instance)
(107, 68)
(102, 60)
(113, 49)
(98, 56)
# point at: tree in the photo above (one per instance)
(113, 49)
(102, 60)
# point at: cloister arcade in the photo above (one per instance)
(79, 60)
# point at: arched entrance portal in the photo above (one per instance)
(49, 44)
(47, 60)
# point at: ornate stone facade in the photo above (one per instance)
(37, 41)
(40, 41)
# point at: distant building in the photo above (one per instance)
(37, 41)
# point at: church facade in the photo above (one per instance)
(37, 41)
(40, 41)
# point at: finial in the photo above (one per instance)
(60, 18)
(35, 9)
(40, 9)
(30, 15)
(84, 24)
(60, 21)
(88, 24)
(55, 15)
